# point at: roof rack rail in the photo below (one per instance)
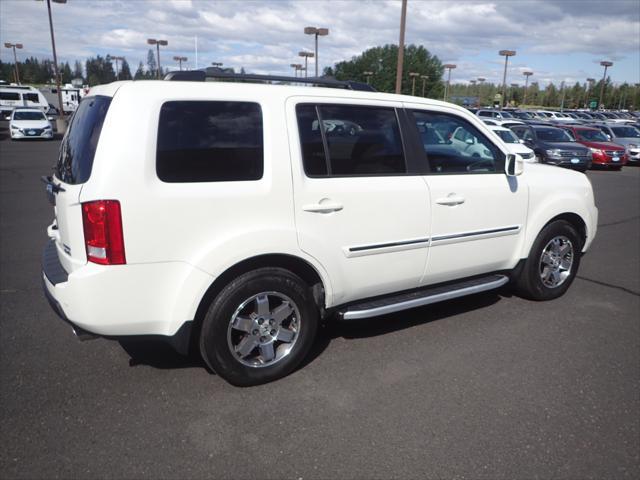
(217, 73)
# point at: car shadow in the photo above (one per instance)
(158, 354)
(372, 327)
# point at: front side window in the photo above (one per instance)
(347, 140)
(200, 141)
(453, 145)
(507, 136)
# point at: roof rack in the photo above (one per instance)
(217, 73)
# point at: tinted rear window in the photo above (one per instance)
(9, 96)
(210, 142)
(79, 145)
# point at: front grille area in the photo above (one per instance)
(37, 131)
(572, 154)
(611, 153)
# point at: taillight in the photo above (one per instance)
(103, 237)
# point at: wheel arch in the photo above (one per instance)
(302, 268)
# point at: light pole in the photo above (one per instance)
(526, 74)
(564, 92)
(368, 76)
(590, 82)
(180, 59)
(448, 66)
(296, 67)
(61, 125)
(116, 60)
(400, 66)
(318, 32)
(413, 76)
(306, 56)
(424, 82)
(15, 59)
(606, 64)
(157, 43)
(506, 54)
(216, 64)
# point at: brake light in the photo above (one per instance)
(103, 236)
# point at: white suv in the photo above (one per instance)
(233, 217)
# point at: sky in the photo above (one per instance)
(559, 40)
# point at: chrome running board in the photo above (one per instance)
(397, 303)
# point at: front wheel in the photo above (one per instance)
(260, 327)
(552, 263)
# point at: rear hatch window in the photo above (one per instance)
(79, 145)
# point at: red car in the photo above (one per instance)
(604, 152)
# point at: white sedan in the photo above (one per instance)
(29, 123)
(513, 143)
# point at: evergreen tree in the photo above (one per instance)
(125, 72)
(152, 66)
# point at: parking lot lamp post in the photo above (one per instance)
(606, 64)
(514, 87)
(400, 65)
(526, 74)
(368, 76)
(157, 43)
(306, 56)
(318, 32)
(216, 64)
(15, 59)
(424, 82)
(180, 59)
(506, 54)
(413, 76)
(448, 66)
(116, 61)
(60, 123)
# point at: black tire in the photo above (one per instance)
(529, 283)
(216, 339)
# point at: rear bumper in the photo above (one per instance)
(123, 300)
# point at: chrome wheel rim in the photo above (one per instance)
(556, 261)
(263, 329)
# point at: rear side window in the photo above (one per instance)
(349, 140)
(31, 97)
(79, 145)
(210, 142)
(9, 96)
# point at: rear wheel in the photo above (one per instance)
(259, 327)
(552, 263)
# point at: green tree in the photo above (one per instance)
(77, 70)
(152, 66)
(125, 71)
(99, 71)
(65, 73)
(382, 61)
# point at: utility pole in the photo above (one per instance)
(400, 66)
(606, 64)
(413, 76)
(506, 54)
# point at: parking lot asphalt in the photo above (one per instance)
(490, 386)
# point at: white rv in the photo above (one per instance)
(71, 97)
(12, 96)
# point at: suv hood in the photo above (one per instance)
(563, 146)
(601, 145)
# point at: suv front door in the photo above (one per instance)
(359, 210)
(478, 213)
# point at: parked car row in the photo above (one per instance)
(574, 139)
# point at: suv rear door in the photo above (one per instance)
(359, 210)
(72, 170)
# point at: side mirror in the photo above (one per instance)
(514, 165)
(49, 118)
(469, 141)
(521, 141)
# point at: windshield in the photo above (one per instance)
(592, 135)
(630, 132)
(507, 136)
(553, 135)
(28, 115)
(525, 115)
(506, 115)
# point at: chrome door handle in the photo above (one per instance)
(451, 200)
(322, 207)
